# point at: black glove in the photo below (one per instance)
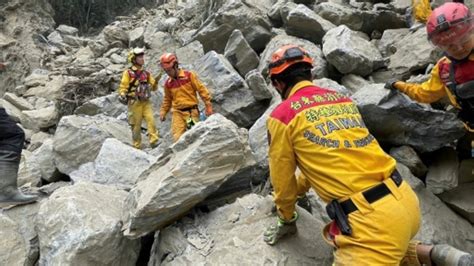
(389, 84)
(123, 99)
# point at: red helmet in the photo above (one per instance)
(449, 23)
(167, 60)
(287, 56)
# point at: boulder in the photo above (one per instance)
(395, 119)
(80, 225)
(240, 54)
(190, 170)
(78, 139)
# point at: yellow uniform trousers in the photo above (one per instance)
(137, 111)
(381, 231)
(178, 121)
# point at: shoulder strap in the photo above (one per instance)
(133, 74)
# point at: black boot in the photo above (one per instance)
(9, 193)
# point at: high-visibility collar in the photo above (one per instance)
(300, 85)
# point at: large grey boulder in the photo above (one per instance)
(407, 156)
(395, 119)
(258, 85)
(391, 41)
(253, 23)
(204, 158)
(29, 170)
(332, 85)
(233, 235)
(80, 225)
(189, 53)
(18, 102)
(439, 225)
(443, 171)
(413, 52)
(13, 249)
(302, 22)
(13, 112)
(366, 21)
(117, 164)
(231, 95)
(115, 33)
(78, 139)
(43, 118)
(354, 82)
(44, 156)
(108, 105)
(319, 63)
(240, 54)
(349, 52)
(23, 218)
(461, 200)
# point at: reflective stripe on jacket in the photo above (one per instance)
(322, 133)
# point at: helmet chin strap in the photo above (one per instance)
(459, 60)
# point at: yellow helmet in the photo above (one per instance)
(134, 53)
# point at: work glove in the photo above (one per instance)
(282, 228)
(123, 99)
(208, 110)
(389, 85)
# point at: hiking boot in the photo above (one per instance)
(448, 255)
(282, 228)
(303, 202)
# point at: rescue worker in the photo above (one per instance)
(135, 91)
(180, 94)
(375, 213)
(451, 28)
(12, 139)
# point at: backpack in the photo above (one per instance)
(142, 91)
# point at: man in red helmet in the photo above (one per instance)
(180, 94)
(451, 28)
(375, 213)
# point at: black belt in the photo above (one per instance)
(188, 109)
(373, 194)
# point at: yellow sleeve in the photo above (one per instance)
(124, 83)
(429, 91)
(201, 89)
(166, 104)
(282, 168)
(153, 82)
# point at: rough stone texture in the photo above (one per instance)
(117, 164)
(258, 85)
(233, 234)
(43, 118)
(18, 102)
(443, 171)
(136, 37)
(13, 112)
(24, 218)
(13, 250)
(113, 32)
(391, 39)
(240, 54)
(302, 22)
(38, 77)
(439, 223)
(80, 225)
(253, 24)
(67, 30)
(466, 171)
(78, 139)
(414, 52)
(37, 140)
(366, 21)
(231, 94)
(53, 88)
(395, 119)
(349, 52)
(44, 156)
(108, 105)
(194, 167)
(319, 63)
(332, 85)
(407, 156)
(29, 170)
(189, 53)
(461, 200)
(354, 82)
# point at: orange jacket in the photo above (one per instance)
(322, 133)
(433, 89)
(180, 93)
(125, 82)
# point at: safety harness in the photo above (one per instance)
(142, 90)
(458, 76)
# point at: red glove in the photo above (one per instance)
(208, 110)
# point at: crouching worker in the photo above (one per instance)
(375, 213)
(135, 91)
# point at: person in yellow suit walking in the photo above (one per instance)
(180, 89)
(135, 91)
(375, 213)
